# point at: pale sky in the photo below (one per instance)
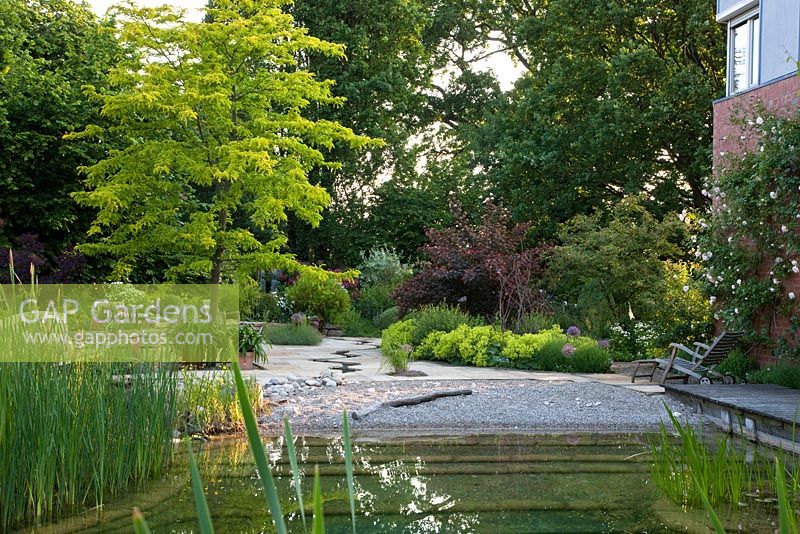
(502, 65)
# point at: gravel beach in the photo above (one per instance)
(517, 406)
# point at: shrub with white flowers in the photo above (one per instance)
(752, 243)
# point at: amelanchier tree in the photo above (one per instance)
(217, 150)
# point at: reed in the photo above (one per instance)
(319, 513)
(297, 480)
(200, 503)
(787, 521)
(689, 471)
(207, 402)
(74, 435)
(348, 465)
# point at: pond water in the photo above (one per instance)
(497, 484)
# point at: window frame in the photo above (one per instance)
(753, 63)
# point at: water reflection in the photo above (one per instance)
(493, 484)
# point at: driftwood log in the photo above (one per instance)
(409, 401)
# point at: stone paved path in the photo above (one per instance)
(358, 360)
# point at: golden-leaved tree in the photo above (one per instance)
(215, 148)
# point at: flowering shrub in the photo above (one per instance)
(632, 340)
(625, 278)
(751, 244)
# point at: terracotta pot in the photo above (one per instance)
(247, 360)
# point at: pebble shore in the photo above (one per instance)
(316, 405)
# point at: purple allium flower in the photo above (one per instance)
(568, 350)
(603, 344)
(297, 318)
(573, 331)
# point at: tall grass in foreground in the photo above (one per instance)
(273, 504)
(73, 435)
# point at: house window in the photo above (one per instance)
(743, 51)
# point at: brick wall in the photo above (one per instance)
(781, 97)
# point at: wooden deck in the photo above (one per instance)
(763, 413)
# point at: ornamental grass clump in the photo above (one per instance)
(274, 511)
(688, 470)
(396, 345)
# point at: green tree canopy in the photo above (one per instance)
(614, 266)
(217, 149)
(615, 100)
(48, 50)
(388, 64)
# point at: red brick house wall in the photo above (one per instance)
(780, 97)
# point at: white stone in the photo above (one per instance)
(313, 382)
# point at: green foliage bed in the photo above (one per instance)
(445, 334)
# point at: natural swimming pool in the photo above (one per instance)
(484, 483)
